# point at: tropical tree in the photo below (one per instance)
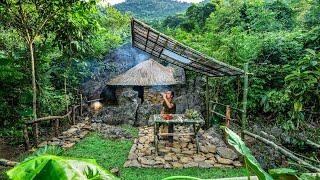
(35, 19)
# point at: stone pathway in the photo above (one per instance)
(70, 137)
(213, 152)
(77, 132)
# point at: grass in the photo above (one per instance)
(113, 153)
(132, 130)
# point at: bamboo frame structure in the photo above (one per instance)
(166, 48)
(163, 47)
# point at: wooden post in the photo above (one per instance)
(56, 127)
(207, 103)
(245, 97)
(73, 115)
(81, 105)
(228, 118)
(26, 137)
(36, 134)
(228, 114)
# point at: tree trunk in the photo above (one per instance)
(65, 92)
(34, 86)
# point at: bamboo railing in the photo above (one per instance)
(72, 115)
(210, 105)
(227, 115)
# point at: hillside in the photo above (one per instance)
(152, 10)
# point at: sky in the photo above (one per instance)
(112, 2)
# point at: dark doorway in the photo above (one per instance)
(109, 95)
(140, 91)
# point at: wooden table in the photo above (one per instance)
(178, 119)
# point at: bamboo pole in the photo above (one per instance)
(245, 98)
(26, 137)
(283, 151)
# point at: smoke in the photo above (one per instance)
(117, 62)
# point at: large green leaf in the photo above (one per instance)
(284, 173)
(61, 168)
(251, 162)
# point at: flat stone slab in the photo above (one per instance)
(183, 153)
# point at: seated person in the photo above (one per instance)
(169, 107)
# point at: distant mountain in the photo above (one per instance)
(152, 10)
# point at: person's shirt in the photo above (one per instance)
(167, 110)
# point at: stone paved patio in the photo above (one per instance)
(213, 151)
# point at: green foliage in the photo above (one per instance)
(303, 82)
(152, 10)
(250, 160)
(58, 167)
(283, 173)
(191, 113)
(195, 17)
(312, 17)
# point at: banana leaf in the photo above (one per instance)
(51, 167)
(284, 174)
(250, 160)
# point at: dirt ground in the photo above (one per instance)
(9, 152)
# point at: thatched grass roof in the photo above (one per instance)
(147, 73)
